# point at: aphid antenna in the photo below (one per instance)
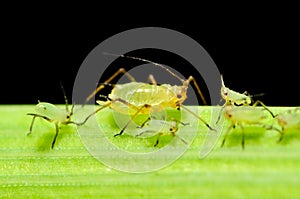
(66, 99)
(105, 97)
(106, 84)
(222, 81)
(65, 96)
(257, 95)
(148, 61)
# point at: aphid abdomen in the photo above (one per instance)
(244, 114)
(288, 120)
(238, 98)
(139, 94)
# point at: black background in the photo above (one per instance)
(256, 54)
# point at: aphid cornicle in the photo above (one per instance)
(288, 120)
(53, 114)
(244, 115)
(136, 98)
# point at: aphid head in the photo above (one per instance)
(43, 108)
(224, 92)
(180, 92)
(247, 100)
(224, 89)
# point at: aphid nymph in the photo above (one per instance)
(244, 115)
(53, 114)
(234, 98)
(153, 127)
(288, 120)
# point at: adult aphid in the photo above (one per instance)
(135, 98)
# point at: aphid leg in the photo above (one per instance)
(72, 108)
(185, 142)
(120, 71)
(265, 107)
(107, 105)
(157, 140)
(180, 138)
(33, 119)
(225, 136)
(31, 125)
(145, 122)
(270, 127)
(243, 137)
(219, 116)
(65, 97)
(191, 78)
(55, 136)
(202, 120)
(281, 135)
(135, 114)
(93, 113)
(179, 122)
(159, 135)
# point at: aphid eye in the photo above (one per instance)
(179, 96)
(229, 115)
(171, 129)
(42, 107)
(68, 116)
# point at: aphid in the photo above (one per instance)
(288, 120)
(153, 127)
(238, 99)
(244, 115)
(53, 114)
(135, 98)
(234, 98)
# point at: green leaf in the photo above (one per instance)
(29, 168)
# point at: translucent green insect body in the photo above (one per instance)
(233, 97)
(288, 120)
(155, 127)
(140, 94)
(138, 98)
(244, 115)
(52, 114)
